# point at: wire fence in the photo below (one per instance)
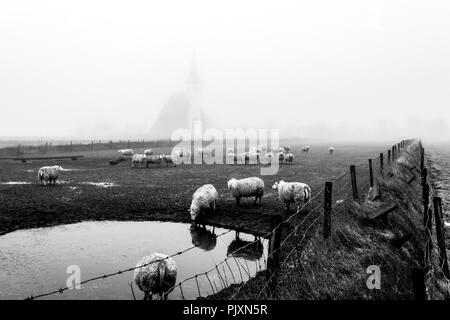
(298, 228)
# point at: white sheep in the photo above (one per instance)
(237, 157)
(148, 152)
(138, 159)
(203, 199)
(305, 149)
(126, 152)
(289, 157)
(49, 174)
(331, 150)
(155, 158)
(170, 159)
(292, 192)
(155, 274)
(248, 187)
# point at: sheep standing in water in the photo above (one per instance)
(155, 274)
(248, 187)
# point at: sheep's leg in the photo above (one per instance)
(260, 199)
(147, 296)
(166, 295)
(238, 200)
(256, 199)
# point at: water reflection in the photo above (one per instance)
(249, 250)
(203, 238)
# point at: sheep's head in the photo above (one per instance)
(230, 183)
(275, 185)
(194, 213)
(59, 168)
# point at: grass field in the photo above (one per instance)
(154, 193)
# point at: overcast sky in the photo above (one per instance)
(324, 69)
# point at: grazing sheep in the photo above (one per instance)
(156, 158)
(148, 152)
(139, 160)
(289, 157)
(266, 158)
(281, 156)
(203, 199)
(305, 149)
(126, 152)
(289, 192)
(247, 187)
(156, 274)
(285, 149)
(169, 159)
(237, 157)
(331, 150)
(49, 174)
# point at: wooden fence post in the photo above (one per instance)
(437, 201)
(418, 283)
(273, 256)
(327, 210)
(371, 173)
(353, 178)
(46, 146)
(389, 156)
(381, 163)
(92, 145)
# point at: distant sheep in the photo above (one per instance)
(148, 152)
(155, 274)
(248, 187)
(292, 192)
(49, 174)
(281, 156)
(169, 159)
(289, 157)
(305, 149)
(138, 160)
(203, 199)
(126, 152)
(155, 159)
(285, 149)
(237, 157)
(331, 150)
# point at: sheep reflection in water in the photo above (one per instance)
(249, 250)
(203, 238)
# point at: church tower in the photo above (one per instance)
(193, 87)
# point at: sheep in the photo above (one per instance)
(285, 149)
(247, 187)
(148, 152)
(203, 199)
(138, 159)
(169, 159)
(281, 156)
(49, 174)
(266, 158)
(305, 149)
(157, 158)
(237, 157)
(155, 274)
(289, 157)
(331, 150)
(126, 152)
(289, 192)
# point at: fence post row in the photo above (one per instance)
(437, 201)
(327, 210)
(353, 179)
(273, 256)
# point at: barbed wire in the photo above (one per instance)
(62, 289)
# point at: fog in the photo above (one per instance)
(348, 70)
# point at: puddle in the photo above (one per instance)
(36, 260)
(100, 184)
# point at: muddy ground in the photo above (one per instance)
(154, 193)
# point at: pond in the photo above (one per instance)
(39, 260)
